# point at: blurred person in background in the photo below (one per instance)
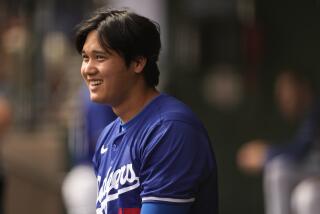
(291, 169)
(5, 121)
(79, 188)
(5, 115)
(156, 156)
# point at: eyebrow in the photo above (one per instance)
(95, 52)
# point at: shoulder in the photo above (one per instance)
(171, 120)
(166, 113)
(174, 111)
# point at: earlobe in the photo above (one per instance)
(139, 64)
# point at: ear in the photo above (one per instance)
(138, 64)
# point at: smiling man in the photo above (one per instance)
(156, 157)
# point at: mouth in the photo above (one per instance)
(95, 83)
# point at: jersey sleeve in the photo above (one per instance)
(176, 159)
(160, 208)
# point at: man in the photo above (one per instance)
(291, 170)
(156, 156)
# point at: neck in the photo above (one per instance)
(134, 103)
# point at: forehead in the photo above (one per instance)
(93, 45)
(92, 42)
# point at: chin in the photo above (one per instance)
(96, 99)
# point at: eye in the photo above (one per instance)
(85, 58)
(100, 57)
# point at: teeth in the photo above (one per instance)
(95, 82)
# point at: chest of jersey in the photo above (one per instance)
(118, 174)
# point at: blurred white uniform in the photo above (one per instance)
(79, 190)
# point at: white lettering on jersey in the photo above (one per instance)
(122, 180)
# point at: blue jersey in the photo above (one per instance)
(162, 155)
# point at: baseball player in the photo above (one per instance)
(156, 157)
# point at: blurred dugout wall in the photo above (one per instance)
(220, 58)
(223, 59)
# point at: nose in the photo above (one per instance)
(88, 68)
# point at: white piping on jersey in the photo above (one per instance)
(175, 200)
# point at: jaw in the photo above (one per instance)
(97, 95)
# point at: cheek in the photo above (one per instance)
(82, 73)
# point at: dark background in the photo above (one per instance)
(246, 39)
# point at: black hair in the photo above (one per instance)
(301, 77)
(127, 33)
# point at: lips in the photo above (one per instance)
(95, 82)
